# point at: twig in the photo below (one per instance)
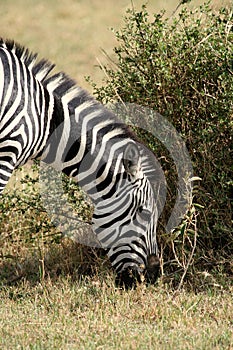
(105, 72)
(182, 2)
(191, 255)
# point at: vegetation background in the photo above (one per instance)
(55, 294)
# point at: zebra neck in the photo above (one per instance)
(86, 142)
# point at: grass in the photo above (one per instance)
(67, 310)
(59, 295)
(92, 314)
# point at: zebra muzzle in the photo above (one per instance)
(152, 268)
(131, 276)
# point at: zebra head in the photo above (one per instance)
(125, 218)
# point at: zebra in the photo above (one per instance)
(47, 116)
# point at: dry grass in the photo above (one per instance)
(92, 314)
(53, 304)
(60, 296)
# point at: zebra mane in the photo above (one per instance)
(39, 69)
(42, 68)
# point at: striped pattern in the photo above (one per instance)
(49, 117)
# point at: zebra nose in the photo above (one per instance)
(152, 268)
(129, 278)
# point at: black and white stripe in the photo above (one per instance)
(49, 117)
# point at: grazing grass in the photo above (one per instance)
(53, 293)
(92, 314)
(54, 305)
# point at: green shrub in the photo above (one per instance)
(183, 68)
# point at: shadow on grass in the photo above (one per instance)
(67, 258)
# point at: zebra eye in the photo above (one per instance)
(144, 213)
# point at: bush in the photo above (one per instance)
(183, 68)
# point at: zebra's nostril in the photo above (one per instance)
(129, 278)
(152, 269)
(152, 262)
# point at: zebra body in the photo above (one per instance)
(49, 117)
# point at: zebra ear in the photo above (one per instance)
(131, 158)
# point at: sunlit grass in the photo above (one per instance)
(92, 314)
